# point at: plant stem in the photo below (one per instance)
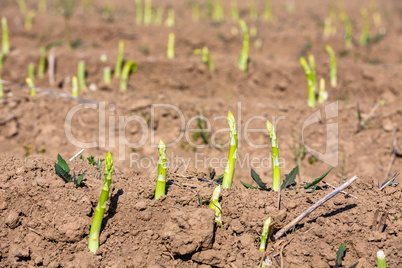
(129, 67)
(5, 44)
(148, 12)
(81, 75)
(230, 166)
(170, 46)
(265, 233)
(310, 83)
(107, 77)
(74, 83)
(322, 95)
(364, 38)
(93, 243)
(215, 197)
(276, 172)
(332, 70)
(138, 8)
(243, 58)
(31, 71)
(31, 86)
(160, 188)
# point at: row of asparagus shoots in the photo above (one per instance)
(309, 69)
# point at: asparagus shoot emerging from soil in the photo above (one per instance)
(148, 12)
(332, 70)
(22, 5)
(119, 62)
(322, 94)
(170, 46)
(81, 75)
(381, 259)
(310, 82)
(311, 62)
(74, 83)
(217, 14)
(215, 197)
(107, 77)
(265, 233)
(276, 173)
(268, 10)
(365, 37)
(42, 5)
(129, 67)
(243, 58)
(214, 204)
(42, 62)
(1, 60)
(206, 57)
(31, 86)
(230, 166)
(195, 11)
(158, 16)
(138, 8)
(170, 19)
(93, 243)
(348, 29)
(160, 188)
(31, 71)
(28, 19)
(5, 44)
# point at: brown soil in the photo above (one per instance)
(44, 221)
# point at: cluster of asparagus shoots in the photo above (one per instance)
(160, 188)
(93, 243)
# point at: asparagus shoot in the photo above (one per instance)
(214, 204)
(243, 58)
(332, 70)
(265, 234)
(348, 29)
(381, 259)
(148, 12)
(138, 8)
(31, 86)
(276, 173)
(310, 82)
(365, 36)
(107, 77)
(170, 46)
(93, 243)
(81, 75)
(160, 188)
(74, 83)
(322, 94)
(129, 67)
(5, 44)
(31, 71)
(230, 166)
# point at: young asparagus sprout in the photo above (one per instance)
(119, 62)
(31, 86)
(230, 166)
(31, 71)
(107, 77)
(22, 5)
(243, 58)
(265, 233)
(42, 62)
(28, 19)
(311, 62)
(364, 38)
(218, 214)
(215, 196)
(159, 16)
(381, 259)
(1, 60)
(5, 44)
(195, 11)
(234, 10)
(310, 82)
(81, 75)
(160, 188)
(217, 15)
(332, 70)
(93, 243)
(253, 11)
(138, 8)
(348, 29)
(74, 83)
(170, 21)
(206, 57)
(129, 67)
(170, 46)
(148, 12)
(276, 173)
(377, 19)
(322, 94)
(268, 10)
